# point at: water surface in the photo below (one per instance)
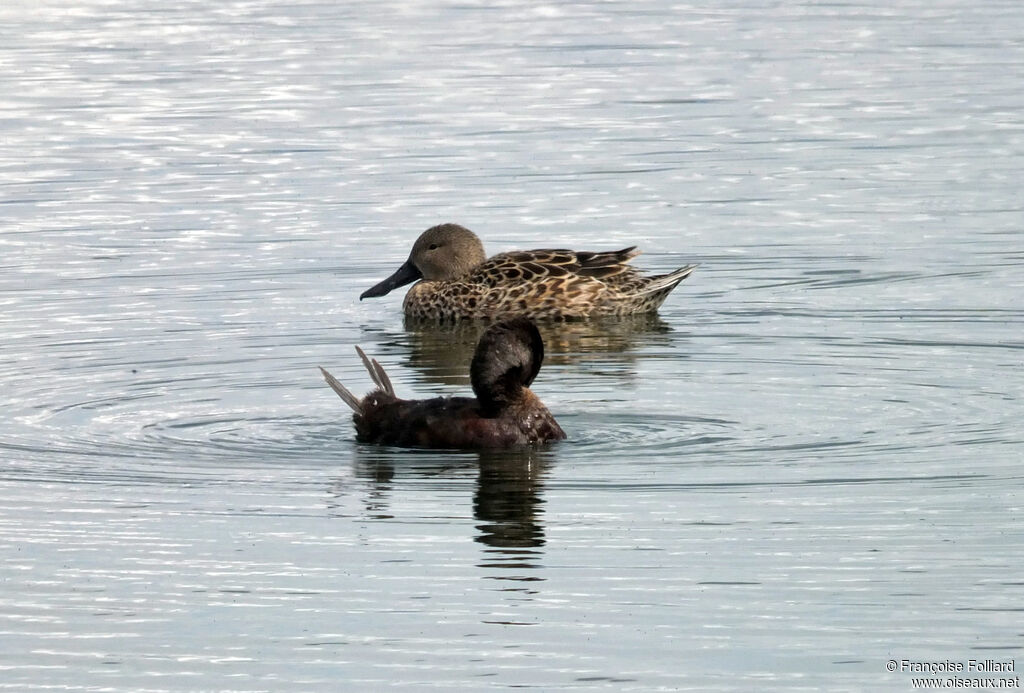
(806, 465)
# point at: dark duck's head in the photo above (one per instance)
(507, 359)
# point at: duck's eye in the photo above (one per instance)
(433, 246)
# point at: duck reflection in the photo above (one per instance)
(508, 505)
(507, 500)
(439, 353)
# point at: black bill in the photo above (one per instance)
(405, 274)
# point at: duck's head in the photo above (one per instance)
(507, 359)
(441, 252)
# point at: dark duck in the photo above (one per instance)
(504, 413)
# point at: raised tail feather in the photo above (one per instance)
(351, 400)
(380, 379)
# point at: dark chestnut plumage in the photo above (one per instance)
(504, 413)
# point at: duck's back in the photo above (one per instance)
(555, 283)
(452, 422)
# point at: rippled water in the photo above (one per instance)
(808, 464)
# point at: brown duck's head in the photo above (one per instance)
(507, 359)
(446, 251)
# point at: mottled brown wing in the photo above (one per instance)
(534, 265)
(538, 282)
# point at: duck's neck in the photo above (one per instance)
(505, 391)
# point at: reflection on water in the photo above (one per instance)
(441, 352)
(506, 501)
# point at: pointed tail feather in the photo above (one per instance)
(343, 392)
(667, 282)
(380, 378)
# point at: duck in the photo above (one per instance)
(456, 281)
(503, 414)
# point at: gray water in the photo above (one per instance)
(807, 465)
